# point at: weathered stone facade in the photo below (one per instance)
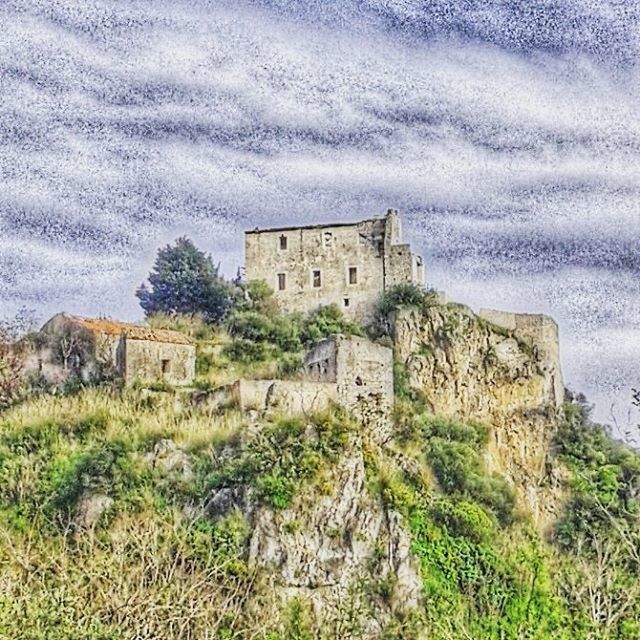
(362, 371)
(348, 264)
(289, 397)
(542, 333)
(87, 347)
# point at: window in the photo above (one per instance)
(353, 275)
(317, 278)
(282, 281)
(283, 242)
(346, 302)
(165, 366)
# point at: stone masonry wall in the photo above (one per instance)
(150, 361)
(355, 263)
(290, 397)
(363, 373)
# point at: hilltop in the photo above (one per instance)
(484, 505)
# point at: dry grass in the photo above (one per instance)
(130, 415)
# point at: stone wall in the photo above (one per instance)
(541, 332)
(363, 373)
(150, 361)
(345, 264)
(289, 397)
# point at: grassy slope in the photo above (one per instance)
(157, 566)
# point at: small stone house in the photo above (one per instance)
(88, 347)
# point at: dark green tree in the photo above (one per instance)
(185, 280)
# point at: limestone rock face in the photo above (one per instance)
(472, 369)
(91, 506)
(339, 548)
(169, 457)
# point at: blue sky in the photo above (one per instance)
(508, 133)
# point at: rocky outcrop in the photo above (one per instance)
(470, 368)
(337, 547)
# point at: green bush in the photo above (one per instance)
(404, 295)
(327, 321)
(250, 325)
(246, 351)
(605, 475)
(463, 518)
(281, 456)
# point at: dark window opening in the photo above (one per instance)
(282, 281)
(346, 302)
(317, 279)
(353, 275)
(283, 242)
(165, 366)
(359, 381)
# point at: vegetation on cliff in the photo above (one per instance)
(142, 513)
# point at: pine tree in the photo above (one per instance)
(185, 280)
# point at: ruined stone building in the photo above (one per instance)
(350, 371)
(90, 347)
(349, 264)
(542, 333)
(362, 372)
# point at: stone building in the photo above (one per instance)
(346, 370)
(348, 264)
(362, 372)
(541, 332)
(90, 347)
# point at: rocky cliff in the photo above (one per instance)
(499, 369)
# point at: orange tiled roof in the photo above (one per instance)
(131, 331)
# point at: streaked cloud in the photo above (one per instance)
(507, 132)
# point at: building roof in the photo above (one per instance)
(313, 226)
(129, 330)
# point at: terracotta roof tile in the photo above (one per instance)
(131, 331)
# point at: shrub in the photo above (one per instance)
(463, 518)
(250, 325)
(403, 295)
(326, 321)
(246, 351)
(605, 476)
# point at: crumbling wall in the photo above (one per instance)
(541, 332)
(289, 397)
(362, 371)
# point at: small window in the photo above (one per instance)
(353, 275)
(359, 381)
(283, 242)
(165, 366)
(317, 278)
(282, 281)
(346, 302)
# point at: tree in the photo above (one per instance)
(11, 370)
(185, 280)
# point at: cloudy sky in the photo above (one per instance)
(507, 132)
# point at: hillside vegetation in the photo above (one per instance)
(139, 513)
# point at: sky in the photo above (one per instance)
(506, 132)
